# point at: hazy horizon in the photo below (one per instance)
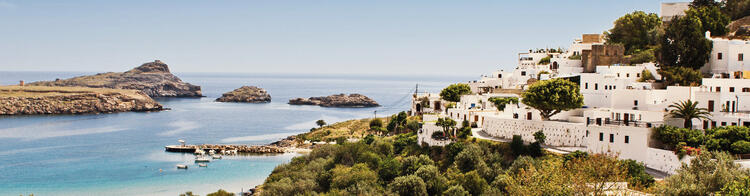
(321, 37)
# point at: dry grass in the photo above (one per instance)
(357, 128)
(44, 91)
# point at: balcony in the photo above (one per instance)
(600, 122)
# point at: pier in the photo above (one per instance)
(222, 148)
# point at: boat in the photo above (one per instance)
(181, 166)
(216, 157)
(202, 165)
(202, 159)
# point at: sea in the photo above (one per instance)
(123, 153)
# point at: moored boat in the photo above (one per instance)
(181, 166)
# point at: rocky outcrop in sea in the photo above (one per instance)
(246, 94)
(340, 100)
(67, 102)
(153, 79)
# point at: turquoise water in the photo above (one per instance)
(121, 154)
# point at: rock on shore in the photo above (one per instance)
(153, 79)
(340, 100)
(247, 94)
(16, 100)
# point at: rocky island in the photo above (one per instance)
(340, 100)
(153, 79)
(246, 94)
(18, 100)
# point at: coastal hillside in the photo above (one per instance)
(16, 100)
(152, 78)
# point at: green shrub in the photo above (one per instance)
(741, 147)
(410, 185)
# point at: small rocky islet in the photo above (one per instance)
(246, 94)
(338, 100)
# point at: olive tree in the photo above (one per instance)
(553, 96)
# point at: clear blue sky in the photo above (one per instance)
(358, 37)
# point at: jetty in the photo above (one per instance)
(224, 148)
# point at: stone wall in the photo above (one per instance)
(602, 54)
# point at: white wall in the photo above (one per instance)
(558, 133)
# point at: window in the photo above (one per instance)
(627, 75)
(740, 57)
(719, 56)
(611, 138)
(627, 139)
(705, 124)
(528, 116)
(618, 75)
(731, 89)
(638, 75)
(713, 124)
(635, 102)
(723, 123)
(718, 89)
(515, 115)
(710, 105)
(601, 136)
(746, 90)
(523, 73)
(596, 86)
(586, 86)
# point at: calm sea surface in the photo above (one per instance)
(121, 154)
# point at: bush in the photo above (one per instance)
(671, 136)
(545, 60)
(741, 147)
(517, 145)
(706, 174)
(469, 158)
(636, 173)
(221, 192)
(413, 125)
(410, 185)
(376, 123)
(456, 190)
(646, 75)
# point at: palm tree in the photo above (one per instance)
(688, 110)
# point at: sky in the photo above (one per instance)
(431, 37)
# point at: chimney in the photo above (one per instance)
(20, 83)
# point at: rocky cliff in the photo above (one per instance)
(340, 100)
(153, 79)
(72, 100)
(248, 94)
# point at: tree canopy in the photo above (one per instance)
(633, 31)
(553, 96)
(712, 19)
(736, 9)
(684, 44)
(454, 91)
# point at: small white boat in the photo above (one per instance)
(202, 159)
(202, 165)
(216, 157)
(211, 152)
(181, 166)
